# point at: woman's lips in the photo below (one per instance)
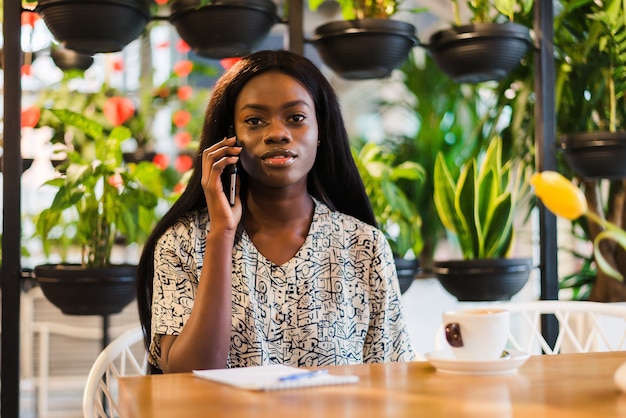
(278, 157)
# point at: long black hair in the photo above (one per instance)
(334, 178)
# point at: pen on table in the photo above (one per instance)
(306, 375)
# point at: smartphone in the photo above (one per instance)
(232, 175)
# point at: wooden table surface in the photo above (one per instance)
(555, 386)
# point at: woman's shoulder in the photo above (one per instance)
(189, 223)
(343, 220)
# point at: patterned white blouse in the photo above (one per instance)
(337, 301)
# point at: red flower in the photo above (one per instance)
(183, 68)
(179, 188)
(181, 118)
(29, 18)
(182, 139)
(226, 63)
(27, 69)
(118, 110)
(116, 181)
(30, 116)
(182, 46)
(184, 163)
(184, 93)
(161, 160)
(161, 2)
(117, 64)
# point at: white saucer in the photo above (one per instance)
(445, 362)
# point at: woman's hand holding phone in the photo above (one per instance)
(222, 200)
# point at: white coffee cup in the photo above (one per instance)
(477, 334)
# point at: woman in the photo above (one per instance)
(294, 271)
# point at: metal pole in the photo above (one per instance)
(545, 144)
(295, 26)
(11, 198)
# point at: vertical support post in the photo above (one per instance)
(295, 26)
(545, 144)
(11, 200)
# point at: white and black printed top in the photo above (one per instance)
(337, 301)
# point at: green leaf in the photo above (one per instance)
(443, 195)
(464, 203)
(498, 230)
(486, 192)
(603, 264)
(88, 126)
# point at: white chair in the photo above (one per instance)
(582, 326)
(124, 356)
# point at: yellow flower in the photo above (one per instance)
(564, 199)
(559, 195)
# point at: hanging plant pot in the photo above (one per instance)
(406, 270)
(26, 163)
(223, 28)
(479, 52)
(364, 48)
(93, 26)
(484, 279)
(68, 59)
(80, 291)
(596, 154)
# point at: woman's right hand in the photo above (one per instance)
(215, 160)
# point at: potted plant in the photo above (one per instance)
(591, 109)
(478, 208)
(397, 216)
(590, 115)
(367, 43)
(487, 48)
(223, 28)
(99, 201)
(68, 59)
(94, 26)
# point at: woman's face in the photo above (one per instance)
(276, 124)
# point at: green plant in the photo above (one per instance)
(397, 216)
(486, 11)
(99, 198)
(359, 9)
(478, 206)
(448, 117)
(590, 40)
(589, 44)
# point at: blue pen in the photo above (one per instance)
(307, 375)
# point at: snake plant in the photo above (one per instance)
(478, 206)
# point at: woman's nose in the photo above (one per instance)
(277, 132)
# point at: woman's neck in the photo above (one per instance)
(278, 227)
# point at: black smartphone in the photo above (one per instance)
(232, 175)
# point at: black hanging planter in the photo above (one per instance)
(364, 48)
(94, 26)
(483, 280)
(26, 164)
(596, 154)
(68, 59)
(223, 28)
(479, 52)
(406, 270)
(80, 291)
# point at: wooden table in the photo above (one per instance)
(559, 386)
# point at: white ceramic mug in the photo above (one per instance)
(477, 334)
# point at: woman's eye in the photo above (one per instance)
(253, 121)
(297, 118)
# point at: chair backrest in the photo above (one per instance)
(124, 356)
(582, 326)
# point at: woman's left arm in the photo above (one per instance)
(387, 337)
